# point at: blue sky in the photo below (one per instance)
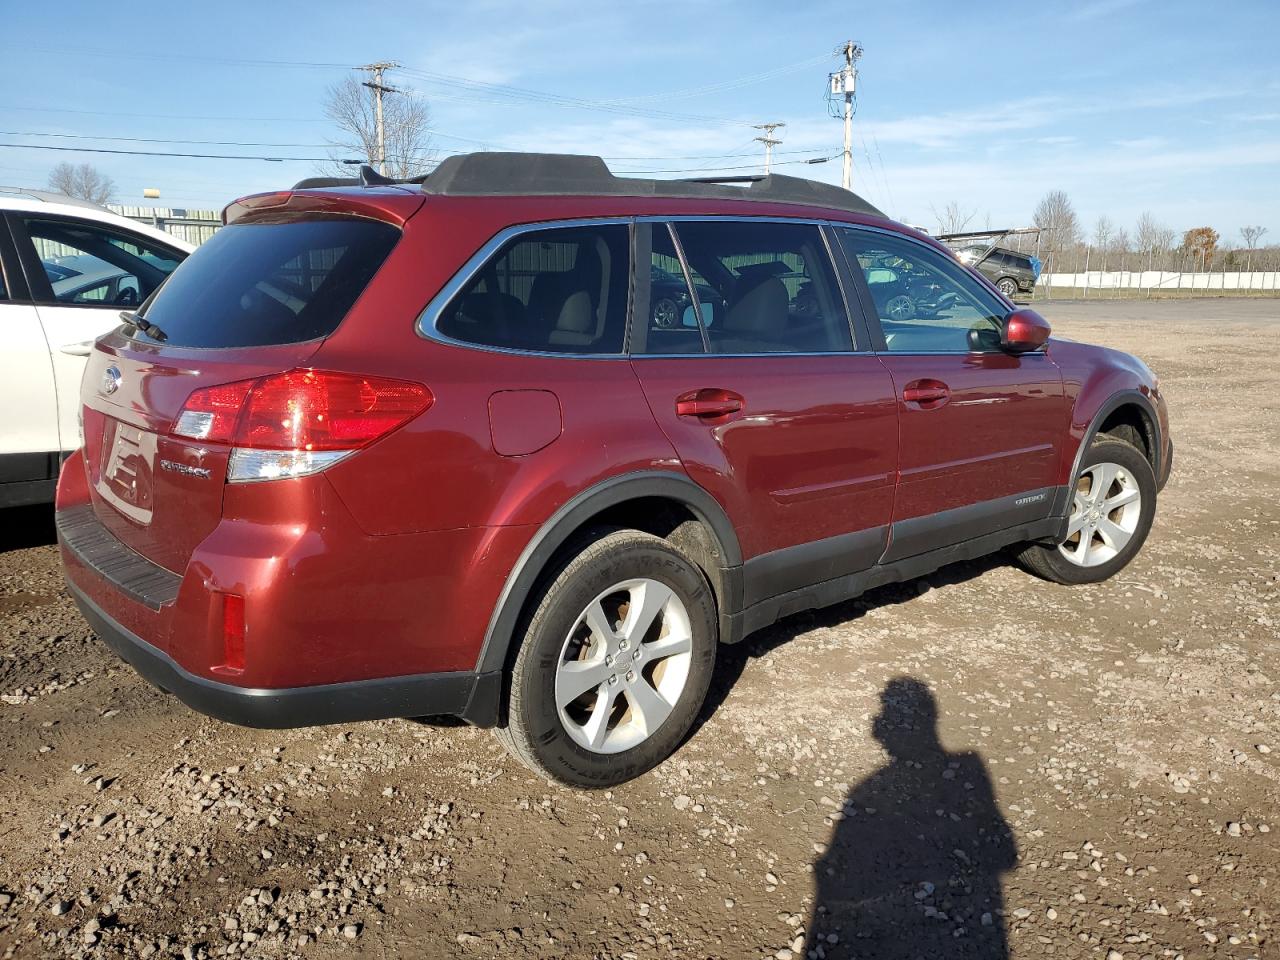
(1127, 105)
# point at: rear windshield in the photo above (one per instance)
(254, 284)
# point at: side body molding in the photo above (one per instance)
(556, 531)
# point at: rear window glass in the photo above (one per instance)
(254, 284)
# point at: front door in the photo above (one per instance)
(981, 428)
(28, 403)
(744, 351)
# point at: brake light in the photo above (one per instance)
(211, 413)
(298, 422)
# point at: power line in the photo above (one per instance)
(208, 143)
(165, 153)
(166, 116)
(347, 146)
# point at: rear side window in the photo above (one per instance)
(764, 287)
(561, 290)
(254, 284)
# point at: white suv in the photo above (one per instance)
(67, 269)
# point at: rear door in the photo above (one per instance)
(743, 345)
(28, 403)
(82, 274)
(981, 429)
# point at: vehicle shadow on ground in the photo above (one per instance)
(732, 660)
(24, 527)
(914, 867)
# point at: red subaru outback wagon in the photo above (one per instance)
(524, 442)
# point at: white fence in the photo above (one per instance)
(1164, 280)
(193, 226)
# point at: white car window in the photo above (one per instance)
(93, 264)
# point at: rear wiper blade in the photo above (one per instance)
(150, 329)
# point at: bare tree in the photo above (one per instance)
(1120, 244)
(1058, 223)
(1152, 237)
(405, 120)
(85, 182)
(1102, 230)
(952, 219)
(1251, 236)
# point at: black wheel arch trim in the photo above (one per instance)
(557, 530)
(1109, 406)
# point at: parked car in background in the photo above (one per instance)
(424, 448)
(1011, 272)
(67, 268)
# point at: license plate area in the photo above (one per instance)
(125, 477)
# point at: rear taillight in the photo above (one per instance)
(299, 422)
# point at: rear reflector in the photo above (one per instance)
(298, 422)
(232, 632)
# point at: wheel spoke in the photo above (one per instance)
(1075, 525)
(647, 705)
(1120, 499)
(598, 623)
(647, 601)
(576, 677)
(1113, 535)
(1104, 476)
(677, 641)
(597, 726)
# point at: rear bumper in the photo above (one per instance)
(471, 696)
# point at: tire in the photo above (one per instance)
(1114, 535)
(666, 313)
(900, 307)
(615, 730)
(1008, 286)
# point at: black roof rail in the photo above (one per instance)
(554, 174)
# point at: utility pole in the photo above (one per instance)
(378, 90)
(768, 141)
(844, 83)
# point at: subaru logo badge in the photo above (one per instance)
(111, 380)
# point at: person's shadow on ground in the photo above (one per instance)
(913, 870)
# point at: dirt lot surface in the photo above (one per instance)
(1102, 781)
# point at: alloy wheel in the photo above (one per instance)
(900, 307)
(666, 313)
(623, 666)
(1104, 515)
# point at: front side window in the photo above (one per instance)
(927, 303)
(97, 266)
(763, 287)
(559, 290)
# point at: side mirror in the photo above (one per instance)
(1024, 331)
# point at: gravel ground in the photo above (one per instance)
(974, 764)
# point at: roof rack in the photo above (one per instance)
(563, 174)
(558, 174)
